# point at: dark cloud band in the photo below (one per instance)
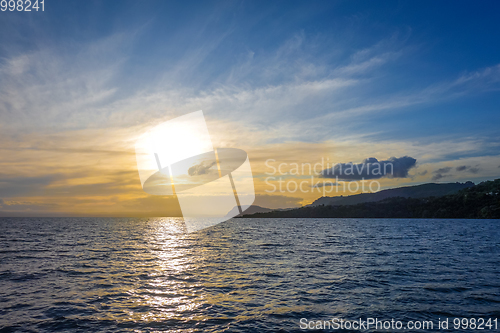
(371, 168)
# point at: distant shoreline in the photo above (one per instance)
(481, 201)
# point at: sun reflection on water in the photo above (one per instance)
(166, 291)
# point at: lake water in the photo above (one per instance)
(244, 275)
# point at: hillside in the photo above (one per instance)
(253, 209)
(417, 191)
(479, 201)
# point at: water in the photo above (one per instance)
(244, 275)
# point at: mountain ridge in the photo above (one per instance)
(474, 202)
(412, 191)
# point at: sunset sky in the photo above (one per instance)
(291, 81)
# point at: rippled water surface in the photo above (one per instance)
(244, 275)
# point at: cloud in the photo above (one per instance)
(443, 170)
(201, 169)
(27, 207)
(44, 90)
(441, 173)
(45, 87)
(371, 168)
(467, 168)
(438, 176)
(20, 186)
(362, 64)
(473, 170)
(485, 80)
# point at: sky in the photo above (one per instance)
(290, 82)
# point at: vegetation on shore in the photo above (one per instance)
(476, 202)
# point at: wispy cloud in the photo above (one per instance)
(49, 88)
(69, 121)
(298, 96)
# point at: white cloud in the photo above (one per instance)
(79, 86)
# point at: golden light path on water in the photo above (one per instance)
(168, 288)
(164, 277)
(150, 279)
(243, 275)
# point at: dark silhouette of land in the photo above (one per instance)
(416, 191)
(471, 201)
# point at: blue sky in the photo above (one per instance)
(203, 46)
(416, 78)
